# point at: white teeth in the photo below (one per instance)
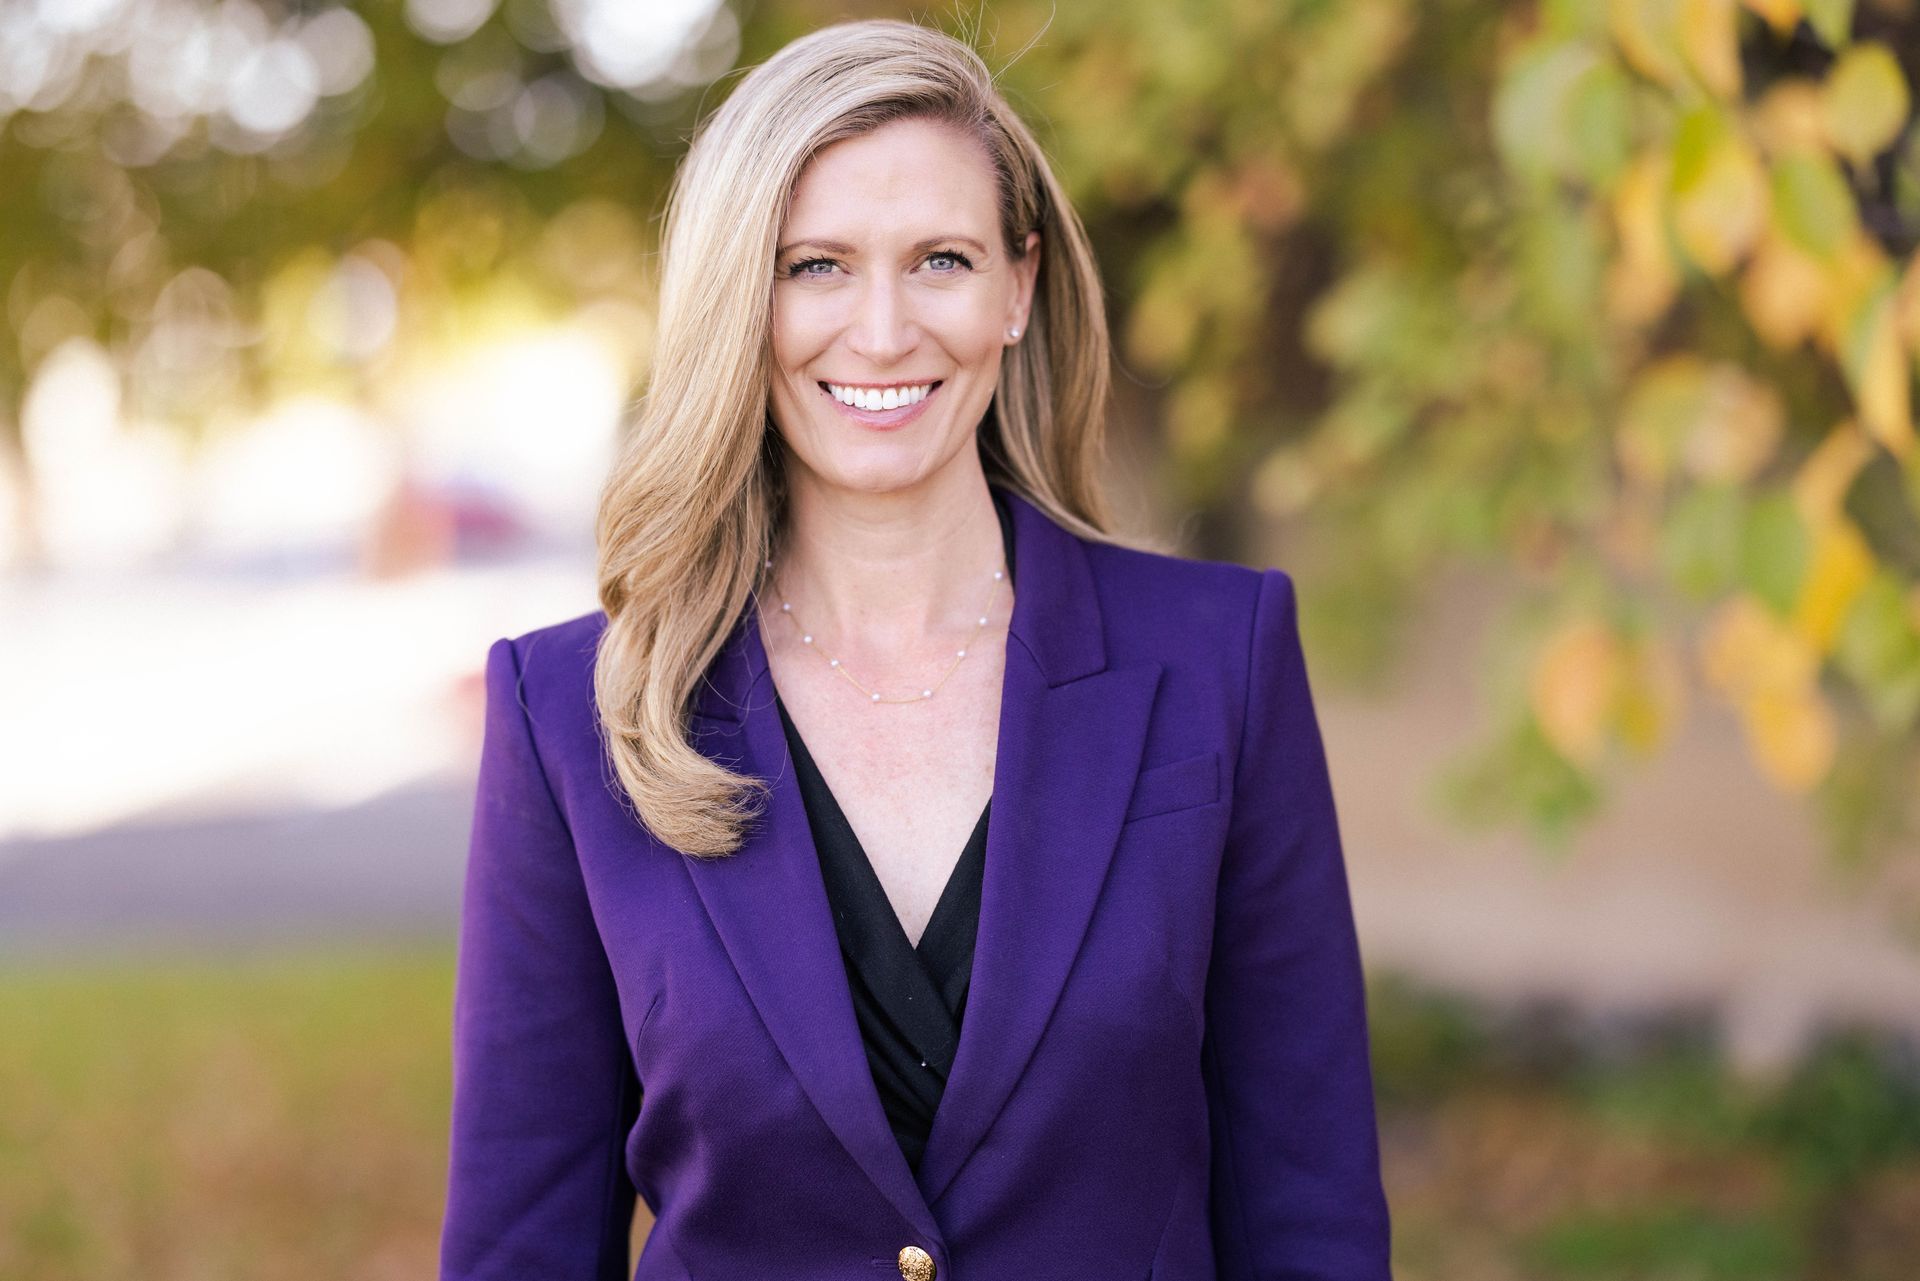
(873, 398)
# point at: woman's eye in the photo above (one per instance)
(805, 266)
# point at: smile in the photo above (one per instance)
(881, 406)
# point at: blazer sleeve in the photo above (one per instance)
(1295, 1173)
(544, 1090)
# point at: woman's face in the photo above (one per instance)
(891, 278)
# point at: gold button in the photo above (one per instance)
(915, 1264)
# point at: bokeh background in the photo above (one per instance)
(1563, 351)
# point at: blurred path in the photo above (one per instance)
(388, 867)
(217, 754)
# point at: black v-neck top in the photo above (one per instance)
(907, 999)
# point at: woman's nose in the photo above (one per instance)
(882, 329)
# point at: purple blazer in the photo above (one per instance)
(1163, 1071)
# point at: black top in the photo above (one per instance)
(907, 999)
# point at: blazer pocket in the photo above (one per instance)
(1175, 785)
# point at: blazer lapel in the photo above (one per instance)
(1072, 731)
(769, 905)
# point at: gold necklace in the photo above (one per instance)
(874, 696)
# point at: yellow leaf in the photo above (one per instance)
(1906, 307)
(1720, 205)
(1746, 650)
(1733, 635)
(1576, 679)
(1820, 486)
(1652, 696)
(1769, 671)
(1789, 117)
(1782, 15)
(1162, 324)
(1199, 415)
(1842, 564)
(1708, 35)
(1856, 272)
(1642, 279)
(1740, 423)
(1864, 103)
(1662, 405)
(1783, 290)
(1886, 382)
(1865, 329)
(1285, 482)
(1793, 734)
(1645, 31)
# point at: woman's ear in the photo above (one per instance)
(1027, 270)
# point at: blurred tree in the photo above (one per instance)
(1623, 296)
(244, 198)
(1619, 294)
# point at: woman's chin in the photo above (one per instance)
(877, 471)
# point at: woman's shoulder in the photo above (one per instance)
(1198, 618)
(574, 638)
(557, 648)
(1205, 592)
(553, 666)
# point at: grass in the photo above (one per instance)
(1667, 1241)
(1524, 1146)
(278, 1117)
(282, 1117)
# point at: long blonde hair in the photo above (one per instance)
(693, 505)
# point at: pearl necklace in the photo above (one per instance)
(873, 696)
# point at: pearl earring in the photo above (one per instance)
(1013, 334)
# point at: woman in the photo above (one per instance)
(739, 933)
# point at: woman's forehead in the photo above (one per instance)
(896, 186)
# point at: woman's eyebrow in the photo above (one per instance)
(841, 247)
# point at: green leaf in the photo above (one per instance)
(1694, 139)
(1879, 649)
(1599, 124)
(1561, 262)
(1866, 101)
(1529, 107)
(1812, 204)
(1832, 21)
(1861, 329)
(1358, 314)
(1700, 543)
(1774, 550)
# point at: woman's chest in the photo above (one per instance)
(910, 781)
(710, 957)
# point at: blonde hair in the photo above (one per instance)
(693, 506)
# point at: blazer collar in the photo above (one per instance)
(1072, 730)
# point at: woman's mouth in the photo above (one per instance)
(869, 407)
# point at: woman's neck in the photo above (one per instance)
(880, 578)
